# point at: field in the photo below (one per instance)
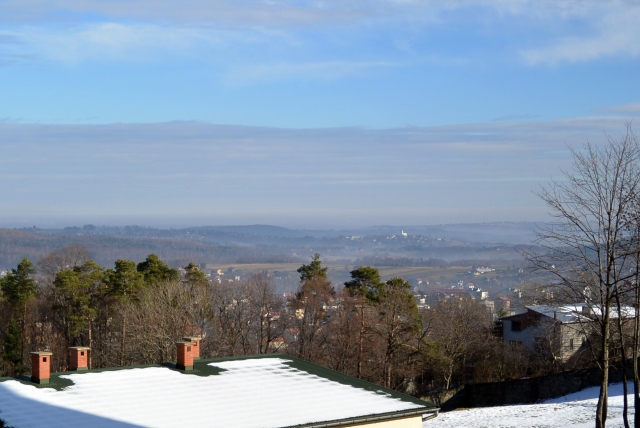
(342, 271)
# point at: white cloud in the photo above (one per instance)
(278, 13)
(615, 31)
(559, 31)
(624, 109)
(109, 41)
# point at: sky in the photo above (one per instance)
(304, 114)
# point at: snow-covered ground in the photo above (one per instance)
(573, 410)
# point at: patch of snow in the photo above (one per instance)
(251, 393)
(575, 410)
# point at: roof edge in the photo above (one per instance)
(369, 418)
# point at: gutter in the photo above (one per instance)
(429, 412)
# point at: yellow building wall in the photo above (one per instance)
(410, 422)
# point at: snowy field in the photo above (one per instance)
(573, 410)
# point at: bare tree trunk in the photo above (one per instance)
(122, 343)
(24, 315)
(636, 348)
(601, 409)
(361, 339)
(90, 343)
(636, 334)
(625, 387)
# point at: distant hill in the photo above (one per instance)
(16, 244)
(255, 229)
(273, 244)
(497, 232)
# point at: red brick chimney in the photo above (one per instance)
(41, 367)
(185, 355)
(196, 345)
(79, 356)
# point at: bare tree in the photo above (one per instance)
(265, 312)
(162, 314)
(583, 254)
(62, 258)
(309, 315)
(457, 328)
(343, 335)
(232, 307)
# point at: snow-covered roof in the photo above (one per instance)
(576, 312)
(255, 392)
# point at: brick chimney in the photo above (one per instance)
(79, 356)
(185, 355)
(41, 367)
(196, 345)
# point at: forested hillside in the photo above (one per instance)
(18, 244)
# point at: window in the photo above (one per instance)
(571, 344)
(516, 326)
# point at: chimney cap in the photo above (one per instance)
(80, 348)
(192, 338)
(185, 343)
(41, 353)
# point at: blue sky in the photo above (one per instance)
(303, 113)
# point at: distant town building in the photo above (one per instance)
(502, 304)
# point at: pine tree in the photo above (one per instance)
(12, 352)
(312, 270)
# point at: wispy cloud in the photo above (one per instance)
(327, 70)
(613, 30)
(624, 109)
(110, 41)
(560, 31)
(513, 117)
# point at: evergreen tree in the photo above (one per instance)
(195, 277)
(312, 270)
(123, 283)
(12, 350)
(155, 270)
(124, 280)
(366, 282)
(18, 287)
(367, 287)
(75, 292)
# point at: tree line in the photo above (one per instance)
(105, 249)
(133, 313)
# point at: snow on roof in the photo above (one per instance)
(260, 392)
(574, 312)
